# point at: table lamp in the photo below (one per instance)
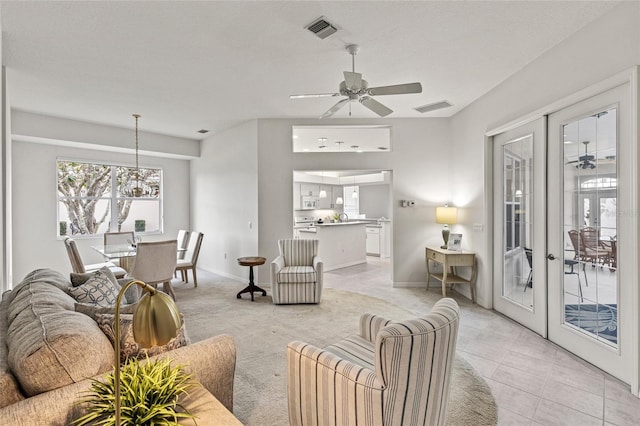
(155, 322)
(446, 216)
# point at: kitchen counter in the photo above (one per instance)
(341, 244)
(351, 222)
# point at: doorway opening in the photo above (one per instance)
(350, 212)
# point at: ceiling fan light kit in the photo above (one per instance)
(355, 88)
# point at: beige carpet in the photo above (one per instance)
(262, 330)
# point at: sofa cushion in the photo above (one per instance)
(129, 348)
(297, 275)
(100, 289)
(50, 345)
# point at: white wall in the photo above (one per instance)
(224, 188)
(374, 200)
(35, 242)
(420, 164)
(600, 50)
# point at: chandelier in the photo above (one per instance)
(134, 186)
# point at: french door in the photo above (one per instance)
(520, 290)
(590, 232)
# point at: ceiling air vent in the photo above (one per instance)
(433, 106)
(321, 27)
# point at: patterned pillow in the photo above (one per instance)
(129, 348)
(77, 279)
(98, 290)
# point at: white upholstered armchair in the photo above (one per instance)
(390, 374)
(296, 274)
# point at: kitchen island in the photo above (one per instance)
(341, 244)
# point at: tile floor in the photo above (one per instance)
(534, 382)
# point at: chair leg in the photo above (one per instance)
(185, 276)
(586, 281)
(166, 287)
(195, 278)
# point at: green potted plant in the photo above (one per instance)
(63, 228)
(150, 395)
(140, 225)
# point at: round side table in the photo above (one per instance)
(251, 262)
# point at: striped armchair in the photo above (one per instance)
(296, 274)
(389, 374)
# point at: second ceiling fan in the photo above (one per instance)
(354, 88)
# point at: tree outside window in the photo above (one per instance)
(95, 198)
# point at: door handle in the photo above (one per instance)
(550, 256)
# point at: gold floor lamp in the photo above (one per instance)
(155, 322)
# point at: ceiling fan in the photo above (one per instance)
(586, 161)
(357, 89)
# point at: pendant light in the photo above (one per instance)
(354, 194)
(323, 193)
(134, 188)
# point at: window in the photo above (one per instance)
(97, 198)
(351, 203)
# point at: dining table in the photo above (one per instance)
(125, 255)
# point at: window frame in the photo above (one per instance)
(112, 199)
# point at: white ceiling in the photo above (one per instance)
(185, 66)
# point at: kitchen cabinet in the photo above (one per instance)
(310, 190)
(373, 240)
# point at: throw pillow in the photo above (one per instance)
(97, 290)
(77, 279)
(129, 348)
(94, 310)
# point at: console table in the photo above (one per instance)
(450, 260)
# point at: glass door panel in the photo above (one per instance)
(589, 284)
(519, 221)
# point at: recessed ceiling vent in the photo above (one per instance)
(433, 106)
(321, 27)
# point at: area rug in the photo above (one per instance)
(262, 330)
(596, 318)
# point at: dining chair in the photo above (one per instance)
(183, 241)
(118, 241)
(190, 259)
(79, 267)
(154, 264)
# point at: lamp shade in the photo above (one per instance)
(156, 320)
(339, 200)
(446, 215)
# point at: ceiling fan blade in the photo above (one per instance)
(397, 89)
(335, 108)
(314, 95)
(375, 106)
(353, 80)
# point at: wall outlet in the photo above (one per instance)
(411, 203)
